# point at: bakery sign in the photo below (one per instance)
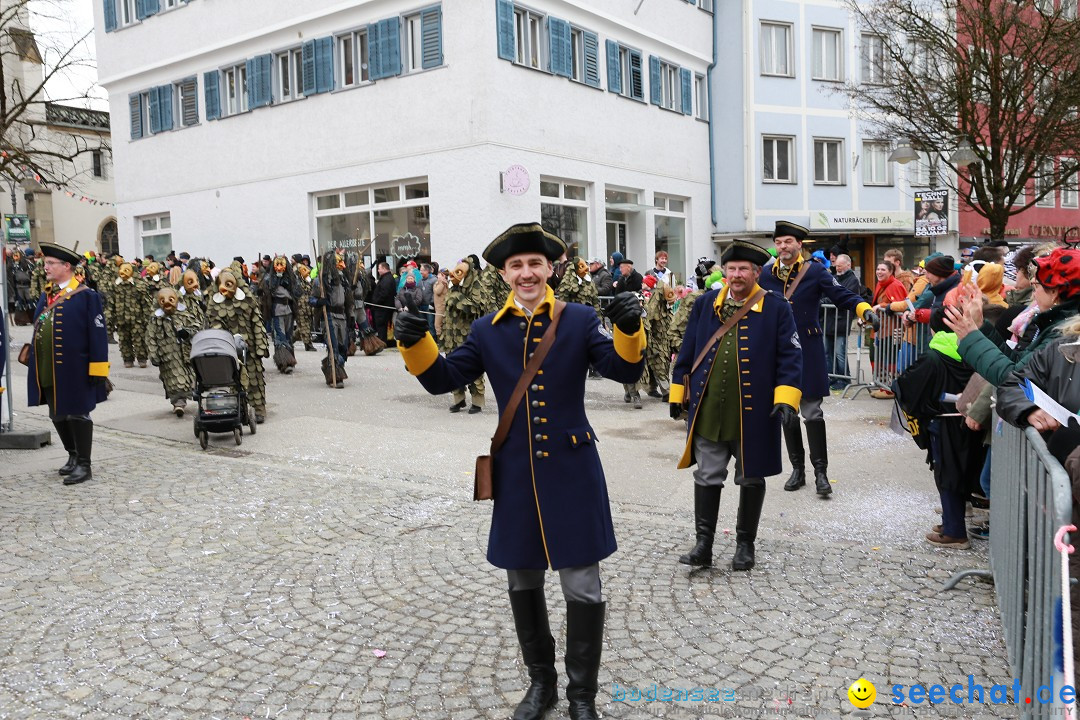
(861, 220)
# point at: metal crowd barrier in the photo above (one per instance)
(844, 348)
(1030, 500)
(895, 348)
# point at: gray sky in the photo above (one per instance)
(59, 24)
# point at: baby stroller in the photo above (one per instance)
(223, 407)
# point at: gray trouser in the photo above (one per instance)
(712, 461)
(580, 584)
(810, 408)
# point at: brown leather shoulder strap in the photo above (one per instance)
(37, 320)
(798, 279)
(526, 377)
(731, 322)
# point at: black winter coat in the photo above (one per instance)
(1048, 368)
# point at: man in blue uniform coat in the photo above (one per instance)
(551, 502)
(69, 358)
(746, 382)
(803, 284)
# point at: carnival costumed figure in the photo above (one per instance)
(577, 286)
(131, 312)
(278, 292)
(37, 278)
(362, 283)
(168, 341)
(658, 316)
(233, 309)
(493, 289)
(331, 293)
(192, 296)
(303, 308)
(464, 304)
(19, 279)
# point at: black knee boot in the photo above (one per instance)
(537, 651)
(819, 455)
(793, 440)
(82, 430)
(751, 500)
(63, 431)
(706, 507)
(584, 644)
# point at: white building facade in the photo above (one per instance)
(789, 144)
(408, 129)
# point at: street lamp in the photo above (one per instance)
(903, 153)
(964, 155)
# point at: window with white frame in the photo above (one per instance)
(919, 171)
(828, 54)
(1007, 172)
(670, 87)
(353, 58)
(1068, 9)
(564, 211)
(125, 12)
(577, 54)
(289, 74)
(169, 5)
(776, 49)
(778, 159)
(1069, 187)
(140, 115)
(234, 82)
(1044, 180)
(633, 84)
(920, 58)
(701, 98)
(97, 163)
(414, 43)
(706, 5)
(876, 165)
(828, 161)
(1044, 89)
(528, 32)
(669, 227)
(155, 234)
(186, 109)
(390, 221)
(874, 60)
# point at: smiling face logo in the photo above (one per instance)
(862, 693)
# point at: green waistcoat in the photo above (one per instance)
(719, 417)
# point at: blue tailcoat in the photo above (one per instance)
(80, 354)
(805, 303)
(770, 367)
(551, 501)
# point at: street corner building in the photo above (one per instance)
(551, 502)
(768, 364)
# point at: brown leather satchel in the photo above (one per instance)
(731, 322)
(483, 478)
(24, 354)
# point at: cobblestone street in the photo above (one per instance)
(332, 567)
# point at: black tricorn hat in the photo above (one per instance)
(58, 251)
(523, 238)
(744, 250)
(783, 227)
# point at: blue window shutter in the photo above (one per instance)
(687, 79)
(504, 26)
(151, 7)
(592, 58)
(154, 111)
(308, 69)
(374, 51)
(135, 107)
(213, 97)
(258, 81)
(265, 64)
(637, 84)
(655, 94)
(431, 33)
(614, 67)
(252, 86)
(140, 13)
(110, 15)
(391, 38)
(560, 59)
(165, 107)
(324, 64)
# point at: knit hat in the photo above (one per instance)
(1060, 270)
(989, 280)
(649, 281)
(942, 266)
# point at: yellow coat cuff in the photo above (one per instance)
(630, 347)
(99, 369)
(421, 356)
(861, 309)
(675, 393)
(787, 395)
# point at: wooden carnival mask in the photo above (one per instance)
(227, 283)
(280, 264)
(303, 271)
(154, 270)
(191, 281)
(457, 275)
(167, 300)
(126, 271)
(582, 268)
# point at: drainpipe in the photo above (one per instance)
(712, 141)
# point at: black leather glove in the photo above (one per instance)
(624, 311)
(786, 412)
(675, 409)
(409, 327)
(871, 317)
(182, 333)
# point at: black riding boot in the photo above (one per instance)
(751, 500)
(706, 507)
(82, 430)
(819, 455)
(537, 651)
(63, 431)
(584, 644)
(793, 439)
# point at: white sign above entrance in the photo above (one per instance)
(863, 220)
